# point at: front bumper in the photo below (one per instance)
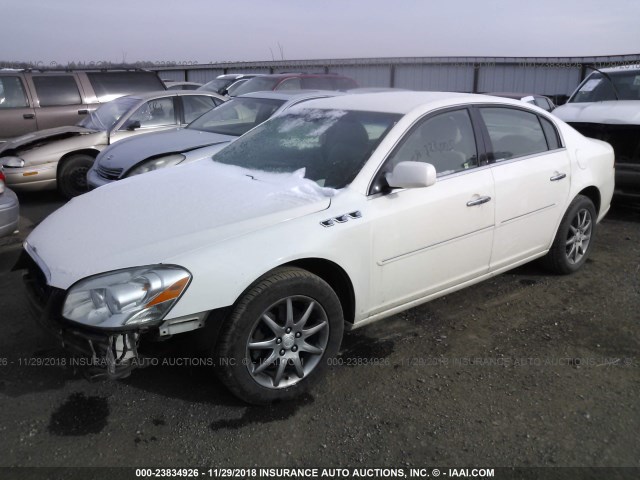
(111, 354)
(628, 180)
(9, 213)
(32, 179)
(94, 180)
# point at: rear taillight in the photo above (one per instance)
(2, 178)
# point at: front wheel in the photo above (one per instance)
(72, 176)
(280, 336)
(574, 238)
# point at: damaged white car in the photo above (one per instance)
(340, 212)
(606, 106)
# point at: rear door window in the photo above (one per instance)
(57, 90)
(513, 132)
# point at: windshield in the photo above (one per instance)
(331, 146)
(237, 116)
(257, 84)
(107, 115)
(598, 88)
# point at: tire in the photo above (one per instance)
(289, 314)
(574, 239)
(72, 176)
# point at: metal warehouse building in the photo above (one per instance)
(551, 76)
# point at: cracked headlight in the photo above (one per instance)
(156, 164)
(126, 298)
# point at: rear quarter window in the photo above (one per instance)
(57, 90)
(108, 85)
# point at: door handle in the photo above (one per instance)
(478, 201)
(83, 111)
(558, 176)
(29, 116)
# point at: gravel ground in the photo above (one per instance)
(526, 369)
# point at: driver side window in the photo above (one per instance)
(155, 112)
(445, 140)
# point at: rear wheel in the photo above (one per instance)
(574, 238)
(280, 336)
(72, 176)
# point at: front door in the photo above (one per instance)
(428, 239)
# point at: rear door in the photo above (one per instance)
(532, 176)
(17, 115)
(59, 100)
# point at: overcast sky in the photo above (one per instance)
(206, 31)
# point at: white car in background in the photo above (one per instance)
(606, 106)
(337, 213)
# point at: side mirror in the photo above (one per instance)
(132, 125)
(412, 175)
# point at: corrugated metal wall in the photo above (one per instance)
(434, 78)
(545, 75)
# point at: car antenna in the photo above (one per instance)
(606, 75)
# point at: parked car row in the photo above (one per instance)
(332, 214)
(33, 100)
(60, 157)
(200, 139)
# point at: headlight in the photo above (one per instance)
(156, 163)
(130, 297)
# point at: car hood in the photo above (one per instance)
(151, 218)
(614, 112)
(126, 153)
(50, 134)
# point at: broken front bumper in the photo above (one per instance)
(112, 354)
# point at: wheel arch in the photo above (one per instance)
(85, 151)
(336, 277)
(593, 194)
(327, 270)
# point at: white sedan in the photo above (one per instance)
(341, 212)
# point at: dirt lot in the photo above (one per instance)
(526, 369)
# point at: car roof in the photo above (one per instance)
(290, 94)
(517, 96)
(301, 74)
(170, 93)
(399, 102)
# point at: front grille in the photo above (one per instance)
(109, 173)
(625, 139)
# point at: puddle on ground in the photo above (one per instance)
(267, 414)
(361, 346)
(79, 415)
